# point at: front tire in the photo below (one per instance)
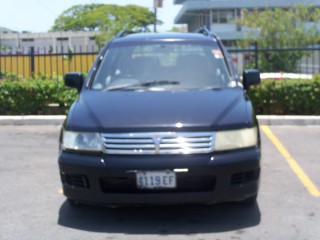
(250, 200)
(73, 202)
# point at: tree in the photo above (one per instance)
(281, 28)
(107, 20)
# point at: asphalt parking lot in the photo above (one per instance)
(32, 206)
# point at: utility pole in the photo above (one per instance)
(156, 4)
(0, 54)
(155, 20)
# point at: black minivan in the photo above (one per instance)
(161, 119)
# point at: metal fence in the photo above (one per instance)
(35, 63)
(308, 63)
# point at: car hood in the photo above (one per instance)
(131, 111)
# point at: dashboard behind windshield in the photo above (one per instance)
(192, 65)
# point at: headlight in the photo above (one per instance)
(242, 138)
(81, 141)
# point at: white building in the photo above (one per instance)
(219, 15)
(52, 42)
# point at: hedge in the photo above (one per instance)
(33, 97)
(287, 97)
(279, 97)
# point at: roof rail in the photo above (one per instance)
(205, 31)
(124, 33)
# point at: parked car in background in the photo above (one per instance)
(161, 119)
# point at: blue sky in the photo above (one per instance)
(39, 15)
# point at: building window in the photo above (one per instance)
(62, 39)
(223, 16)
(27, 40)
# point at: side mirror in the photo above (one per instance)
(250, 77)
(74, 80)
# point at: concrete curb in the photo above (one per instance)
(32, 120)
(58, 120)
(288, 120)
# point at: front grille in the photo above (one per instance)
(184, 184)
(158, 143)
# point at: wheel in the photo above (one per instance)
(250, 200)
(73, 202)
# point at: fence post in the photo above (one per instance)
(32, 61)
(256, 58)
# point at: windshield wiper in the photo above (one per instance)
(143, 84)
(211, 88)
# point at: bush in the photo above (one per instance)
(287, 97)
(284, 97)
(32, 97)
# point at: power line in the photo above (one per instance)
(47, 8)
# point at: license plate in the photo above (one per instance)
(156, 179)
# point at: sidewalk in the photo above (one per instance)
(58, 120)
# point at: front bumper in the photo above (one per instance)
(110, 179)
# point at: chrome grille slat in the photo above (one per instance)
(185, 145)
(130, 146)
(193, 140)
(126, 151)
(185, 151)
(158, 143)
(120, 140)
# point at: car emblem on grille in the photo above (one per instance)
(157, 140)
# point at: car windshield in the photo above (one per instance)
(162, 65)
